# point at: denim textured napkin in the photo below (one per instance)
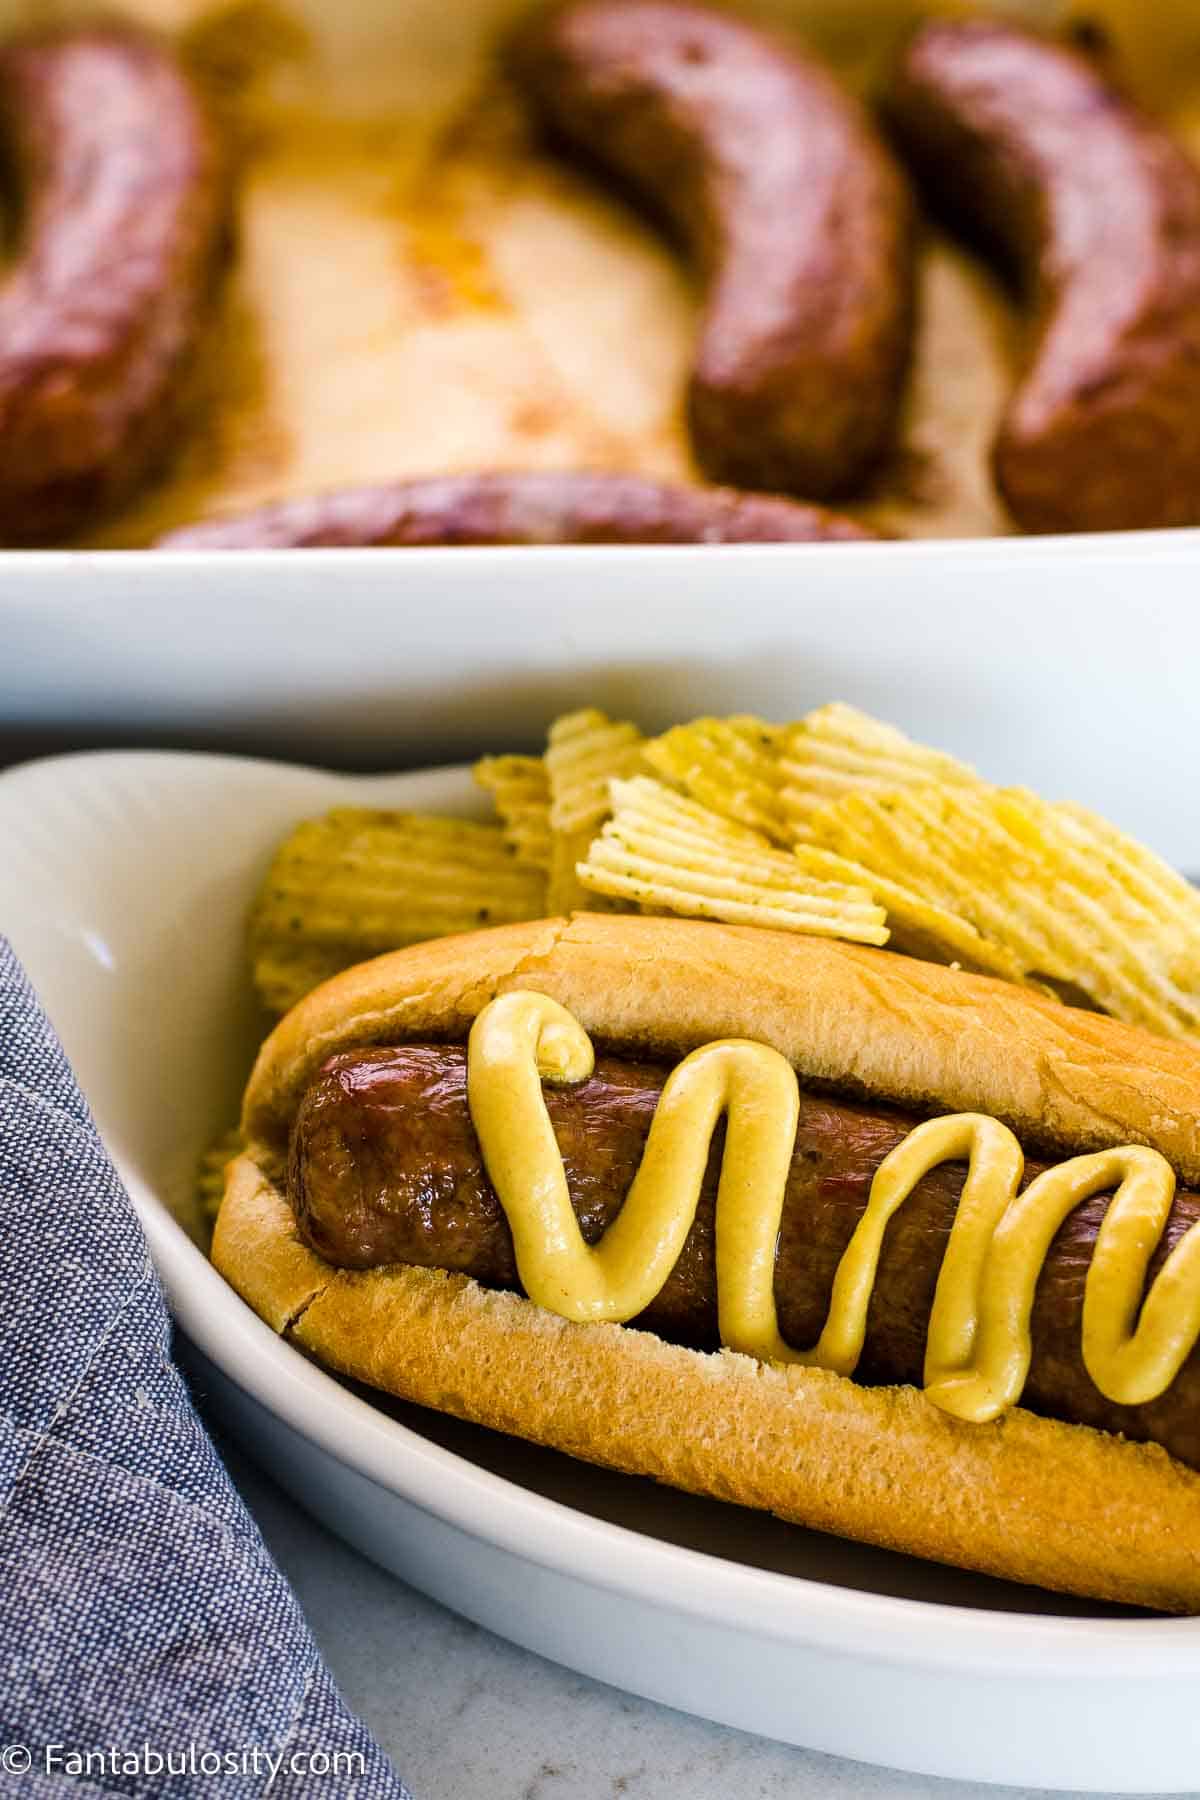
(143, 1624)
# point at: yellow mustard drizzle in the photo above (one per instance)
(978, 1345)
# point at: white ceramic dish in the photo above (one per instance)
(123, 887)
(1068, 664)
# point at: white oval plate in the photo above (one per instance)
(123, 886)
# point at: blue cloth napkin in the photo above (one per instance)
(143, 1623)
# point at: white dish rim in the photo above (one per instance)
(1020, 546)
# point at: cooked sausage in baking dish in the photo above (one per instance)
(791, 206)
(549, 508)
(1094, 207)
(123, 203)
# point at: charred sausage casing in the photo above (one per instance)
(385, 1168)
(122, 209)
(793, 210)
(1096, 211)
(535, 508)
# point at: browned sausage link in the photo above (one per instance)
(793, 209)
(386, 1168)
(123, 209)
(1097, 212)
(522, 509)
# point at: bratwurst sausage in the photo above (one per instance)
(385, 1167)
(123, 212)
(1096, 211)
(796, 215)
(521, 509)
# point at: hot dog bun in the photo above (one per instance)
(1026, 1498)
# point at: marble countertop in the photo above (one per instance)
(466, 1716)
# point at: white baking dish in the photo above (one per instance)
(123, 886)
(418, 288)
(1068, 665)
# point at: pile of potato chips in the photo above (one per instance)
(836, 824)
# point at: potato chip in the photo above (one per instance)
(210, 1173)
(730, 766)
(358, 882)
(1078, 906)
(1136, 921)
(1146, 876)
(838, 750)
(586, 750)
(909, 836)
(520, 789)
(284, 973)
(666, 853)
(919, 926)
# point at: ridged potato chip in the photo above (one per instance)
(1147, 878)
(837, 750)
(919, 926)
(520, 790)
(210, 1172)
(665, 853)
(284, 973)
(885, 838)
(1078, 906)
(730, 766)
(585, 751)
(358, 882)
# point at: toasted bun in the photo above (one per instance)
(1061, 1506)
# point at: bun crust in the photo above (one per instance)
(1030, 1499)
(864, 1021)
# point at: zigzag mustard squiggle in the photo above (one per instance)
(978, 1344)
